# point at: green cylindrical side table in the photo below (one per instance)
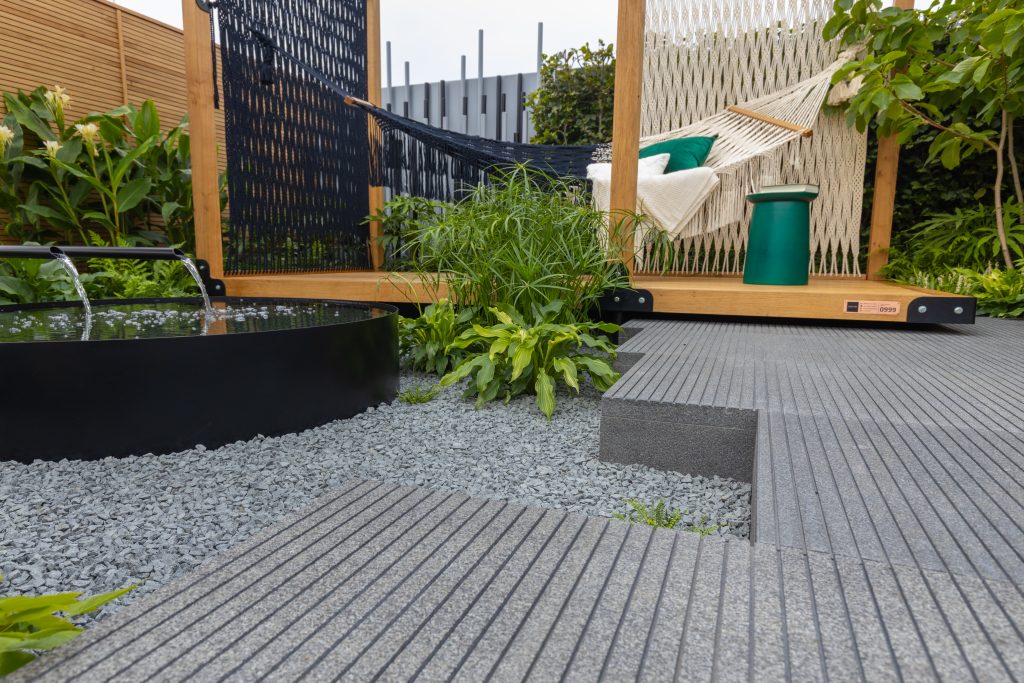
(779, 241)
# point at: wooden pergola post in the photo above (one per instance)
(883, 202)
(373, 94)
(629, 72)
(199, 87)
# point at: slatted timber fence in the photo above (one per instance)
(103, 54)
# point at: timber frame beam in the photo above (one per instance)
(625, 138)
(203, 133)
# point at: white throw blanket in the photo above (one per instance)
(669, 200)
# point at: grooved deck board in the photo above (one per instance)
(902, 446)
(398, 582)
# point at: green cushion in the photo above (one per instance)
(685, 153)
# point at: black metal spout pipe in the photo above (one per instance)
(139, 253)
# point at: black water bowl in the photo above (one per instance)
(158, 376)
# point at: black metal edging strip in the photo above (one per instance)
(942, 309)
(627, 301)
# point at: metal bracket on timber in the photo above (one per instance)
(213, 286)
(941, 309)
(627, 301)
(206, 5)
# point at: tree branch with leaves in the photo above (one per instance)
(956, 66)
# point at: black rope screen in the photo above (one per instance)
(298, 157)
(418, 159)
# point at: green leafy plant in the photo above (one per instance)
(954, 67)
(576, 97)
(966, 238)
(657, 516)
(1000, 293)
(517, 356)
(926, 189)
(114, 173)
(132, 278)
(398, 218)
(419, 394)
(29, 624)
(426, 341)
(944, 279)
(31, 281)
(703, 529)
(660, 517)
(525, 240)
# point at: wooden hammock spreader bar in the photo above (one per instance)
(805, 132)
(356, 102)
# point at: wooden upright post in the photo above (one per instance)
(884, 200)
(629, 66)
(374, 96)
(120, 56)
(199, 89)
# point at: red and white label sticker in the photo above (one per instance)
(873, 307)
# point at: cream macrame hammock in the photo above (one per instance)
(704, 56)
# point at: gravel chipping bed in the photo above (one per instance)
(96, 526)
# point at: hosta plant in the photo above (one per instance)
(426, 341)
(29, 624)
(516, 357)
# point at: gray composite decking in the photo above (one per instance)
(888, 519)
(899, 445)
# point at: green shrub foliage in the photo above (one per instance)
(574, 103)
(29, 624)
(1000, 293)
(398, 219)
(426, 341)
(964, 237)
(517, 357)
(115, 174)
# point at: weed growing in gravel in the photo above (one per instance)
(29, 624)
(659, 517)
(703, 529)
(419, 394)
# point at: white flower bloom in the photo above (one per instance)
(6, 137)
(89, 132)
(58, 96)
(56, 101)
(52, 147)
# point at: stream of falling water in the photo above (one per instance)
(73, 272)
(194, 272)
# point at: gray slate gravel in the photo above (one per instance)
(95, 526)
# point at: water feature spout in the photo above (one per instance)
(69, 266)
(194, 272)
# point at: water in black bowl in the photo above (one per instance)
(174, 319)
